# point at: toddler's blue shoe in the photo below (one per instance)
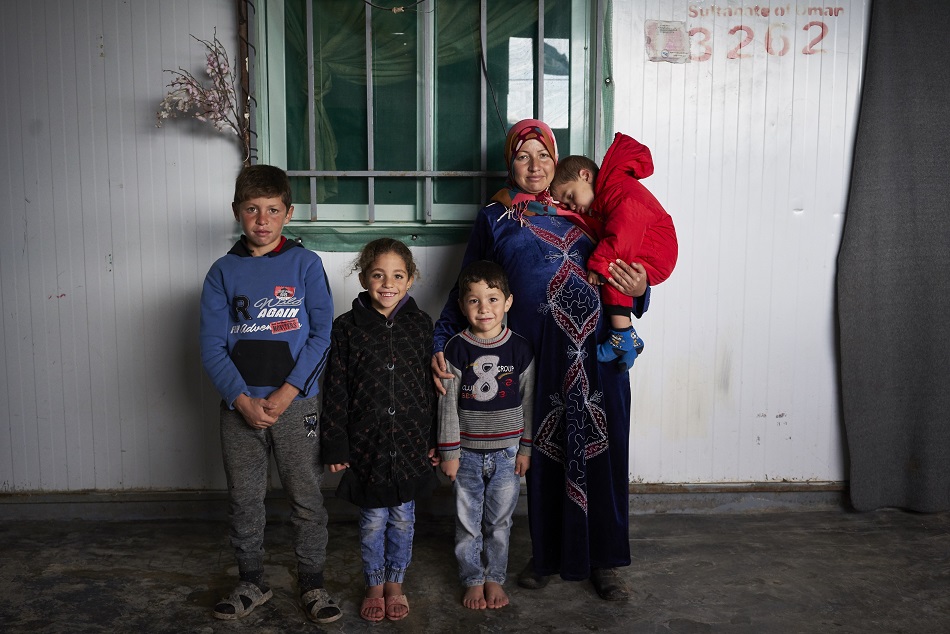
(622, 345)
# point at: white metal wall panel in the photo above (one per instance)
(114, 225)
(752, 152)
(102, 358)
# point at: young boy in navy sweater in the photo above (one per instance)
(266, 313)
(485, 431)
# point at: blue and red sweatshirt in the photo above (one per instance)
(265, 321)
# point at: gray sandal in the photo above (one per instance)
(609, 584)
(243, 599)
(320, 608)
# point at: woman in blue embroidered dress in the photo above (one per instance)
(578, 481)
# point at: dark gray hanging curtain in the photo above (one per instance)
(894, 265)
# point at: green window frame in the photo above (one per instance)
(406, 141)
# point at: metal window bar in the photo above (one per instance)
(427, 173)
(428, 104)
(311, 112)
(483, 95)
(370, 129)
(540, 82)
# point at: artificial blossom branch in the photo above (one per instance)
(215, 104)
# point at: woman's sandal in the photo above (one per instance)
(374, 603)
(320, 608)
(392, 602)
(243, 599)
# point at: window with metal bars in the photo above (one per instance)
(393, 121)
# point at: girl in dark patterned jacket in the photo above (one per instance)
(378, 422)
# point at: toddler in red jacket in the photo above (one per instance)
(611, 205)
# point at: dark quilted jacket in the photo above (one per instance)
(379, 405)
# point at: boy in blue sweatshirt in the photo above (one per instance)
(266, 313)
(485, 431)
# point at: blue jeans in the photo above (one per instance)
(486, 493)
(386, 542)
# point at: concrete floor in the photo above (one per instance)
(819, 571)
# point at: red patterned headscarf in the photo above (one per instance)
(525, 130)
(516, 200)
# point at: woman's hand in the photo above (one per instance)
(629, 279)
(439, 372)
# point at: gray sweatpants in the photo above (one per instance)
(295, 441)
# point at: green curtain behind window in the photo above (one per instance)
(339, 53)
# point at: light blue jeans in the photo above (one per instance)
(486, 493)
(386, 542)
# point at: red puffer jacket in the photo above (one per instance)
(629, 222)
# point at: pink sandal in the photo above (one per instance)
(371, 603)
(393, 601)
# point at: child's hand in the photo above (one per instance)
(255, 411)
(336, 468)
(280, 399)
(594, 279)
(521, 464)
(434, 458)
(450, 468)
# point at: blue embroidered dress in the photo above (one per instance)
(578, 479)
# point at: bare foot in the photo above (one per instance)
(474, 598)
(373, 607)
(495, 595)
